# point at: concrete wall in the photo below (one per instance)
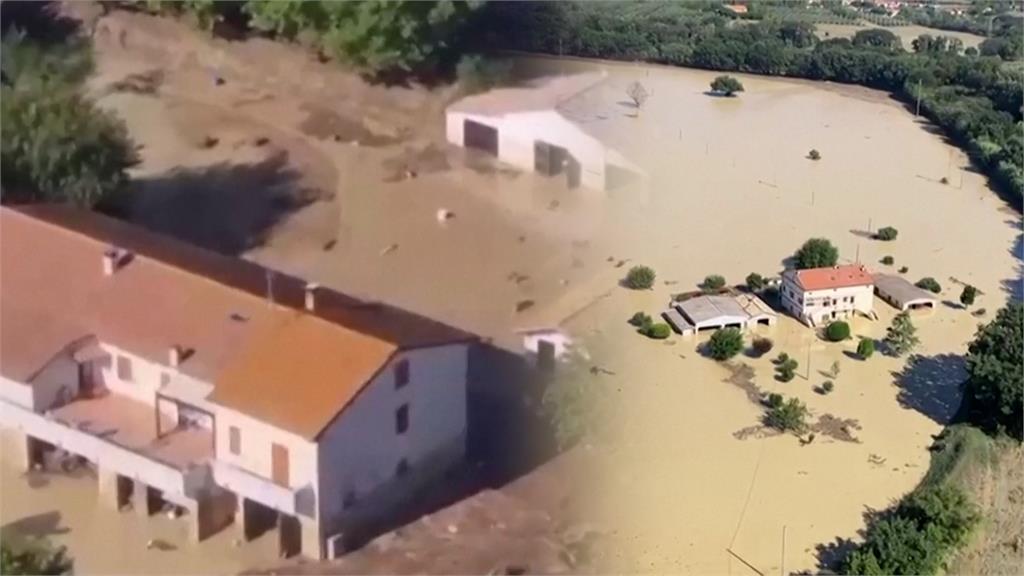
(56, 382)
(360, 452)
(16, 393)
(517, 133)
(811, 303)
(145, 382)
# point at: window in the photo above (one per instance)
(124, 368)
(402, 468)
(401, 373)
(235, 440)
(402, 419)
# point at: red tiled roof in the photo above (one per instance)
(834, 277)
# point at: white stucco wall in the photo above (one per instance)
(59, 374)
(517, 133)
(360, 450)
(145, 382)
(16, 393)
(811, 302)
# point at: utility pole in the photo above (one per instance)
(918, 112)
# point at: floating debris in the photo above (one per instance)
(389, 250)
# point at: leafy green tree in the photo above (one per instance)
(641, 320)
(658, 331)
(995, 383)
(31, 561)
(578, 402)
(726, 85)
(930, 284)
(837, 331)
(814, 154)
(786, 367)
(877, 38)
(901, 337)
(790, 416)
(894, 545)
(827, 387)
(816, 253)
(640, 278)
(968, 295)
(887, 260)
(886, 234)
(713, 282)
(755, 282)
(865, 348)
(725, 343)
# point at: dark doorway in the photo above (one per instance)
(548, 159)
(545, 355)
(88, 379)
(572, 174)
(290, 533)
(480, 136)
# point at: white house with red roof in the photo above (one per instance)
(818, 295)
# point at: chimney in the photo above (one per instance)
(174, 356)
(110, 261)
(311, 288)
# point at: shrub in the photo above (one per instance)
(726, 85)
(781, 358)
(995, 369)
(39, 559)
(790, 416)
(886, 234)
(725, 343)
(930, 284)
(968, 295)
(865, 348)
(904, 269)
(713, 282)
(658, 331)
(762, 346)
(774, 400)
(901, 337)
(641, 320)
(755, 282)
(887, 260)
(640, 278)
(827, 386)
(814, 154)
(816, 253)
(786, 368)
(837, 331)
(944, 180)
(637, 93)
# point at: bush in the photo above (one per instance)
(640, 278)
(786, 368)
(713, 282)
(762, 346)
(41, 559)
(774, 400)
(904, 270)
(886, 234)
(930, 284)
(726, 85)
(887, 260)
(658, 331)
(827, 387)
(641, 320)
(814, 154)
(755, 282)
(725, 343)
(837, 331)
(790, 416)
(865, 348)
(816, 253)
(968, 295)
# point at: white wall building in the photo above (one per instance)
(166, 367)
(818, 295)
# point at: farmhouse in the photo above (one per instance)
(900, 293)
(217, 387)
(819, 295)
(536, 128)
(711, 312)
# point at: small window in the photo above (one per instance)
(402, 419)
(402, 468)
(401, 373)
(124, 368)
(235, 440)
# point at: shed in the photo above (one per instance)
(901, 294)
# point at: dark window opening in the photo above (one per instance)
(401, 373)
(402, 419)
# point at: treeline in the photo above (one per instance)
(976, 97)
(375, 36)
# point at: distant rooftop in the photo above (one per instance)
(545, 93)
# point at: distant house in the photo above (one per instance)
(209, 383)
(819, 295)
(711, 312)
(533, 128)
(901, 294)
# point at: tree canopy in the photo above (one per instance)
(816, 253)
(995, 366)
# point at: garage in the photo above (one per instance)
(480, 136)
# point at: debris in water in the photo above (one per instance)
(389, 250)
(443, 215)
(524, 305)
(260, 141)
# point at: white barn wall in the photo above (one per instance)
(360, 450)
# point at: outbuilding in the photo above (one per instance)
(711, 312)
(901, 294)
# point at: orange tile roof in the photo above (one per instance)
(53, 292)
(834, 277)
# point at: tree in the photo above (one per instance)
(762, 346)
(865, 348)
(901, 337)
(816, 253)
(641, 320)
(726, 86)
(968, 295)
(39, 560)
(887, 260)
(658, 331)
(725, 343)
(637, 93)
(785, 367)
(886, 234)
(790, 416)
(877, 38)
(640, 278)
(930, 284)
(814, 154)
(578, 401)
(713, 282)
(755, 282)
(837, 331)
(995, 368)
(827, 387)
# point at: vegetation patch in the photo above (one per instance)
(837, 331)
(725, 343)
(640, 278)
(816, 253)
(930, 284)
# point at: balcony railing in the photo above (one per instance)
(255, 487)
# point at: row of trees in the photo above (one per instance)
(977, 99)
